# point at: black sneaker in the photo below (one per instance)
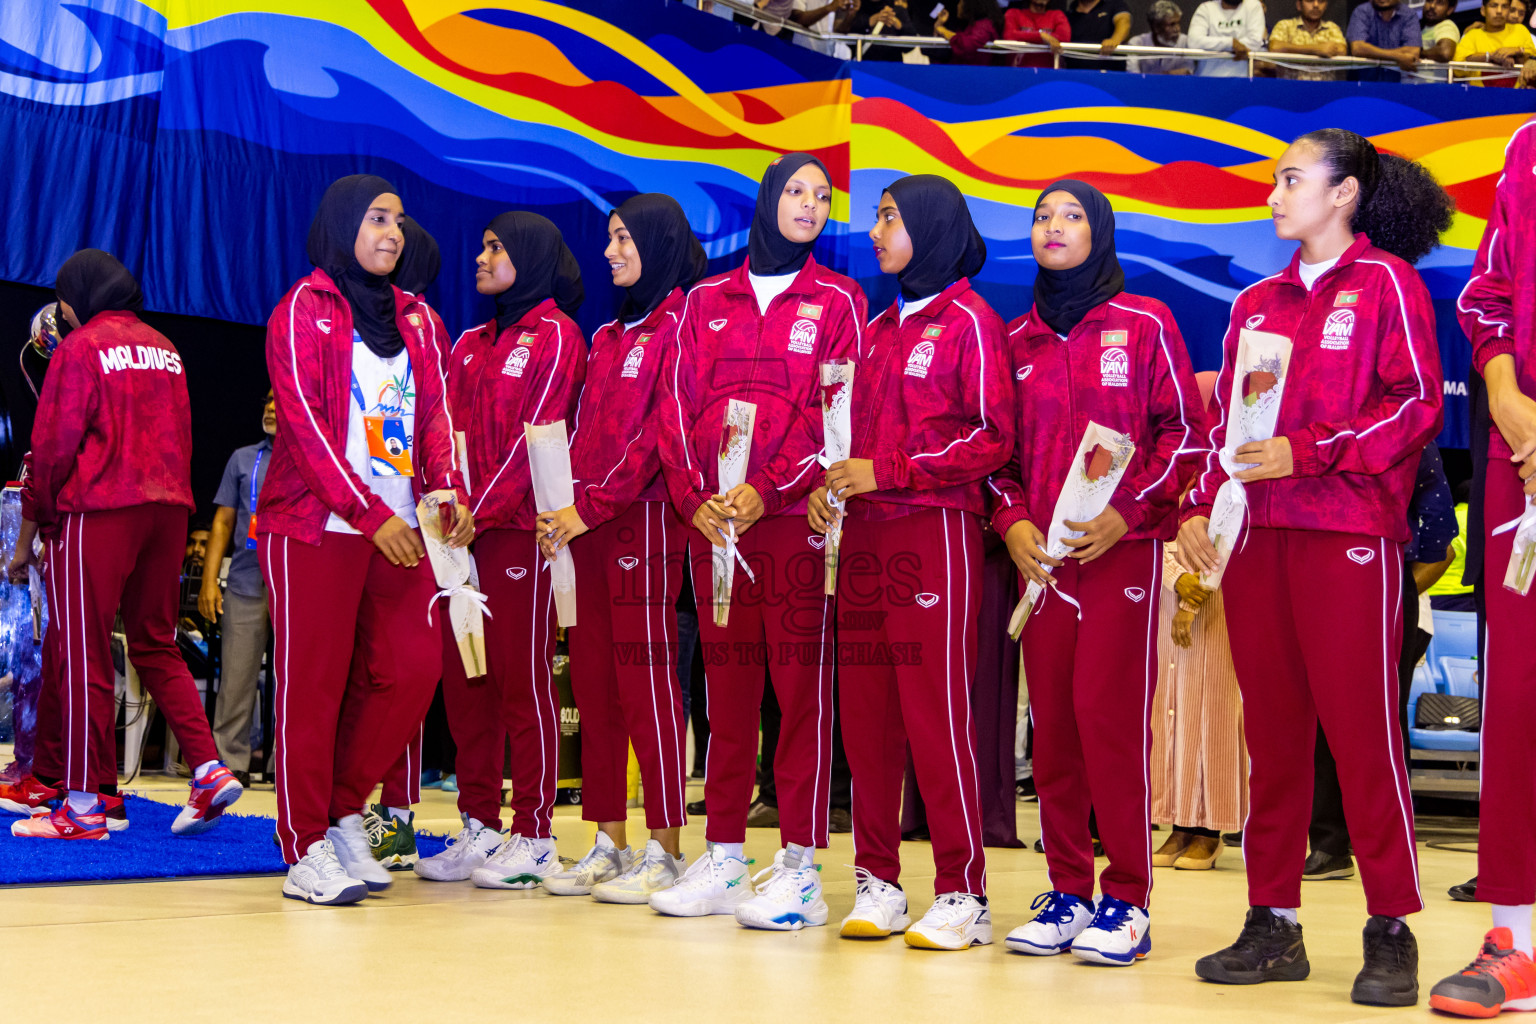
(840, 820)
(1234, 839)
(1322, 866)
(1390, 976)
(1466, 892)
(1269, 948)
(696, 809)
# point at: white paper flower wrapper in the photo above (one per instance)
(1522, 558)
(454, 569)
(837, 431)
(549, 463)
(1253, 411)
(1080, 500)
(735, 450)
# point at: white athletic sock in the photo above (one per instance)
(204, 769)
(732, 850)
(403, 813)
(796, 856)
(80, 803)
(1289, 913)
(1516, 919)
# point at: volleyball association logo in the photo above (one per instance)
(632, 362)
(920, 360)
(1338, 329)
(517, 362)
(1114, 368)
(802, 337)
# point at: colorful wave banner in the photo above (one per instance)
(194, 137)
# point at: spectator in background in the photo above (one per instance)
(1518, 10)
(1449, 593)
(1220, 26)
(242, 607)
(197, 548)
(1104, 22)
(1037, 22)
(983, 24)
(820, 16)
(879, 17)
(1309, 34)
(1439, 34)
(1497, 41)
(1385, 30)
(1163, 18)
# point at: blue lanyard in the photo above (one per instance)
(255, 476)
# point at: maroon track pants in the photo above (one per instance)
(1316, 623)
(128, 557)
(780, 625)
(909, 591)
(623, 655)
(340, 727)
(1090, 698)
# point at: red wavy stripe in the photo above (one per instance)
(1188, 185)
(1475, 197)
(604, 106)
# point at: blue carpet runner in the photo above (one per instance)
(239, 845)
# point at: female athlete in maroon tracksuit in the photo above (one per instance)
(365, 432)
(524, 366)
(1089, 352)
(758, 335)
(1498, 312)
(932, 416)
(629, 567)
(1313, 590)
(109, 488)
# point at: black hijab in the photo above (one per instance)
(545, 267)
(1064, 297)
(332, 248)
(419, 262)
(92, 282)
(945, 243)
(768, 252)
(670, 256)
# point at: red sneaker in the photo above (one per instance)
(216, 790)
(28, 796)
(1501, 978)
(63, 824)
(117, 814)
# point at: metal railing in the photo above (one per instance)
(1425, 70)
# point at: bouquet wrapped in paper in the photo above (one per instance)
(1522, 558)
(1258, 383)
(549, 461)
(735, 450)
(837, 430)
(1096, 470)
(457, 579)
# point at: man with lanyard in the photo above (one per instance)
(242, 607)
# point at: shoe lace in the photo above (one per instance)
(701, 875)
(508, 851)
(949, 907)
(1385, 946)
(592, 860)
(325, 862)
(1057, 908)
(1112, 915)
(377, 829)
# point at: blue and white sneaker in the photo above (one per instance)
(522, 862)
(1119, 934)
(790, 899)
(1061, 919)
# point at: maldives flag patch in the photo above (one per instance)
(932, 333)
(527, 339)
(644, 338)
(1113, 338)
(1346, 298)
(810, 311)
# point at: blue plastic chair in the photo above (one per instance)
(1457, 676)
(1455, 636)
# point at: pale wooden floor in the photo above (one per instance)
(232, 949)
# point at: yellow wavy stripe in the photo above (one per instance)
(971, 136)
(815, 128)
(905, 157)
